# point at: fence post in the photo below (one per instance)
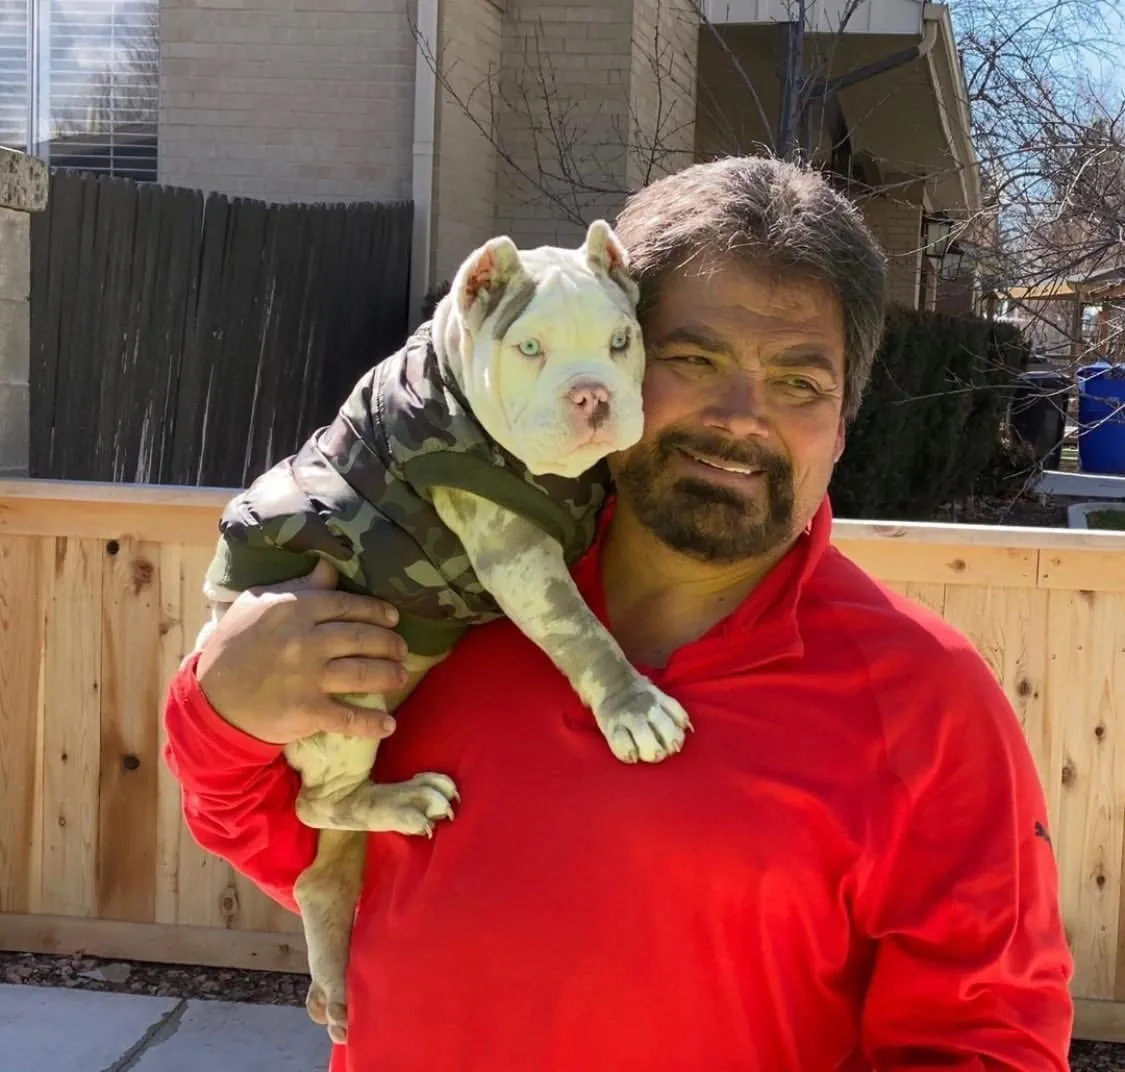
(23, 190)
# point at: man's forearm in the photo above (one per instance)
(238, 793)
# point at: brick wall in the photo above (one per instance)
(465, 154)
(287, 99)
(896, 219)
(565, 111)
(662, 88)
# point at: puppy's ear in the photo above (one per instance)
(486, 274)
(605, 253)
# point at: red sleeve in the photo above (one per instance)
(238, 793)
(971, 968)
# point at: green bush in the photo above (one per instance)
(930, 428)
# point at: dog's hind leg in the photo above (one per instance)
(338, 798)
(326, 893)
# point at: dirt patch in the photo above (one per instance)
(157, 980)
(1097, 1057)
(1025, 511)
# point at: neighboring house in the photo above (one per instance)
(339, 100)
(1071, 320)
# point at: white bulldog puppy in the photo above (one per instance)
(459, 482)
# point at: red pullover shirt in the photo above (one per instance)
(845, 869)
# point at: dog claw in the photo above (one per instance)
(642, 724)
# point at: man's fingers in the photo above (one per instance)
(362, 675)
(350, 607)
(335, 716)
(322, 576)
(346, 639)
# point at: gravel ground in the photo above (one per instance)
(1097, 1057)
(275, 988)
(159, 980)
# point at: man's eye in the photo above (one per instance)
(691, 359)
(802, 383)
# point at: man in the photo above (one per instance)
(841, 869)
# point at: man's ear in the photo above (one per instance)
(484, 277)
(606, 254)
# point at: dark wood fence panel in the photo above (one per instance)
(178, 338)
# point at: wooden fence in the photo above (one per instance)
(99, 595)
(185, 339)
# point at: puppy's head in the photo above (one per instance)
(551, 355)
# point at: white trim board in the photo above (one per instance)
(1081, 485)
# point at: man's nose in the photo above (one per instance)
(739, 408)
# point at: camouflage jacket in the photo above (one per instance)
(357, 492)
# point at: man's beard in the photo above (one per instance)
(706, 520)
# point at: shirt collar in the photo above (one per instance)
(763, 629)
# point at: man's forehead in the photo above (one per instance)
(726, 310)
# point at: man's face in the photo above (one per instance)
(743, 403)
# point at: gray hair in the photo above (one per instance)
(764, 213)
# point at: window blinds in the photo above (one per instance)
(93, 71)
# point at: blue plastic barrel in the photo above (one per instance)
(1101, 418)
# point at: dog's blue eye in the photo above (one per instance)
(619, 340)
(530, 348)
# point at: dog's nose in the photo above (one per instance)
(589, 398)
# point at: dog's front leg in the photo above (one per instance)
(526, 572)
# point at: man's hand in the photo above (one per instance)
(279, 654)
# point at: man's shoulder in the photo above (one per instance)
(930, 690)
(910, 651)
(862, 602)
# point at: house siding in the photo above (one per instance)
(287, 101)
(896, 220)
(728, 120)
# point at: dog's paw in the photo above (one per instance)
(643, 724)
(333, 1014)
(413, 806)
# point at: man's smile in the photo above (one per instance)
(732, 468)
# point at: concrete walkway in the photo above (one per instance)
(48, 1029)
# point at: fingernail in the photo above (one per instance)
(388, 725)
(392, 615)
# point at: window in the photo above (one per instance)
(79, 81)
(14, 114)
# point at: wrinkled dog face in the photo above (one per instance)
(551, 352)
